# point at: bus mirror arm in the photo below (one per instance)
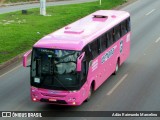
(25, 58)
(79, 62)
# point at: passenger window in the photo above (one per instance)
(117, 33)
(84, 68)
(99, 45)
(123, 28)
(110, 37)
(128, 25)
(87, 53)
(94, 48)
(103, 41)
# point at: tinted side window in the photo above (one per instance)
(84, 68)
(94, 47)
(110, 38)
(117, 33)
(128, 25)
(123, 28)
(103, 41)
(87, 53)
(99, 45)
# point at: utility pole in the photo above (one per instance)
(43, 7)
(100, 2)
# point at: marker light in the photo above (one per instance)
(34, 99)
(74, 103)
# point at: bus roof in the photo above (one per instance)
(78, 34)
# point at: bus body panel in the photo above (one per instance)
(78, 34)
(59, 97)
(99, 72)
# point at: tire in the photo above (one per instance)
(90, 94)
(117, 68)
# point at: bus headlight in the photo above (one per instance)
(34, 99)
(74, 103)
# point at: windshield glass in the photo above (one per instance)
(54, 69)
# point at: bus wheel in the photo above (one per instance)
(117, 68)
(90, 93)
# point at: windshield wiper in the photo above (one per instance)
(65, 62)
(60, 83)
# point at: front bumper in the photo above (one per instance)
(56, 97)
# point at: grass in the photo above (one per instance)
(19, 32)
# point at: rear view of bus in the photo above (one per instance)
(72, 62)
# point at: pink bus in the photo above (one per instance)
(72, 62)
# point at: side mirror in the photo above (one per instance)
(25, 58)
(79, 62)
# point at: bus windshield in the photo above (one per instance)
(54, 69)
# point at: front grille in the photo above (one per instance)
(52, 95)
(56, 102)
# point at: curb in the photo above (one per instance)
(11, 61)
(23, 3)
(20, 3)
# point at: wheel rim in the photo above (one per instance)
(90, 92)
(117, 67)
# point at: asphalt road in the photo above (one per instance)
(36, 5)
(135, 88)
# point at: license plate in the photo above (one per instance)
(53, 100)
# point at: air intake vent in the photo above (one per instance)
(100, 16)
(73, 30)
